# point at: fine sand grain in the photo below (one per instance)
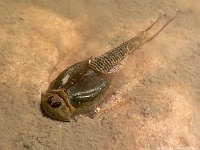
(159, 83)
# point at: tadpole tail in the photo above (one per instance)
(170, 20)
(111, 61)
(152, 25)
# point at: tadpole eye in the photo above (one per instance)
(52, 103)
(56, 104)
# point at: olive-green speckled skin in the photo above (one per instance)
(80, 90)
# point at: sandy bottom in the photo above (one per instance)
(160, 82)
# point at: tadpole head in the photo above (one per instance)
(55, 107)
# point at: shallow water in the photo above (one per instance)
(160, 81)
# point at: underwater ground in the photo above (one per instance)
(159, 83)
